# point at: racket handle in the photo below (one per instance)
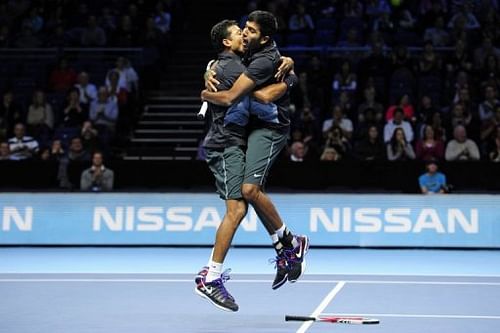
(203, 110)
(299, 318)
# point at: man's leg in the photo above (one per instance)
(228, 172)
(264, 146)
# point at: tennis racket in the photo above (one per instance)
(204, 105)
(335, 319)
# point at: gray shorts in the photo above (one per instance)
(228, 168)
(264, 147)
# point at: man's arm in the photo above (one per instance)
(241, 87)
(275, 91)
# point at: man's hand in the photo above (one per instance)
(210, 80)
(285, 67)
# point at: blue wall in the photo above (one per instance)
(175, 218)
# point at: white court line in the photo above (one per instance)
(331, 295)
(400, 315)
(142, 280)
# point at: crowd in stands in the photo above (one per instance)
(65, 23)
(423, 87)
(82, 115)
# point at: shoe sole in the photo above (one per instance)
(279, 284)
(199, 293)
(303, 264)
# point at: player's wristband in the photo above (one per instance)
(290, 80)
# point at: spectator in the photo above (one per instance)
(487, 48)
(398, 149)
(93, 35)
(429, 63)
(461, 148)
(297, 152)
(10, 114)
(151, 36)
(104, 113)
(115, 91)
(107, 20)
(459, 60)
(488, 128)
(300, 21)
(370, 103)
(437, 34)
(128, 76)
(87, 90)
(432, 181)
(338, 119)
(330, 154)
(56, 150)
(487, 107)
(162, 18)
(494, 151)
(403, 104)
(353, 9)
(345, 79)
(63, 77)
(426, 109)
(403, 19)
(21, 146)
(490, 72)
(464, 15)
(40, 117)
(459, 116)
(76, 153)
(384, 25)
(126, 34)
(398, 122)
(74, 113)
(4, 151)
(335, 139)
(97, 178)
(371, 147)
(401, 60)
(429, 148)
(436, 122)
(89, 135)
(34, 21)
(375, 64)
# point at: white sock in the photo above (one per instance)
(281, 231)
(275, 238)
(214, 271)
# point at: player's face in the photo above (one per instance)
(236, 39)
(252, 37)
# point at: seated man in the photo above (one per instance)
(97, 178)
(432, 181)
(22, 147)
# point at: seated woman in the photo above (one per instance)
(429, 148)
(398, 149)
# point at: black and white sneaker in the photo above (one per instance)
(296, 260)
(281, 270)
(215, 292)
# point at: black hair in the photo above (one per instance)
(266, 21)
(219, 32)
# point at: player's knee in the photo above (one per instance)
(250, 192)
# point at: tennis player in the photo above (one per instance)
(268, 135)
(227, 161)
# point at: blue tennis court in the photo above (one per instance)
(151, 290)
